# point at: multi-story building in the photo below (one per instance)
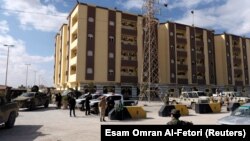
(186, 57)
(61, 58)
(232, 61)
(104, 46)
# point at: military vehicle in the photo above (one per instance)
(8, 112)
(31, 100)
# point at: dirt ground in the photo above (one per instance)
(56, 125)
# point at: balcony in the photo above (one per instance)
(181, 54)
(201, 81)
(182, 67)
(181, 40)
(236, 49)
(199, 42)
(129, 47)
(237, 60)
(182, 81)
(238, 83)
(74, 28)
(129, 79)
(199, 55)
(73, 61)
(129, 32)
(129, 63)
(237, 72)
(72, 78)
(200, 69)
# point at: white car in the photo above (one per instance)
(80, 102)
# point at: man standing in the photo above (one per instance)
(72, 105)
(87, 102)
(102, 108)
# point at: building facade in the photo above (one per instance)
(103, 48)
(232, 57)
(187, 57)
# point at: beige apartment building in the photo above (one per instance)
(232, 57)
(186, 57)
(104, 47)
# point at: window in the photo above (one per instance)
(90, 53)
(111, 72)
(111, 38)
(90, 36)
(91, 19)
(172, 75)
(89, 70)
(209, 40)
(227, 43)
(111, 55)
(171, 33)
(111, 23)
(172, 61)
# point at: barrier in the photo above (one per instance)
(208, 108)
(136, 112)
(166, 110)
(183, 109)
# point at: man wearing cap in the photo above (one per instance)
(175, 115)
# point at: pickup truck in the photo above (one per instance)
(232, 95)
(8, 112)
(31, 100)
(190, 98)
(118, 99)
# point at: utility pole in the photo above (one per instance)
(27, 72)
(150, 70)
(7, 64)
(35, 78)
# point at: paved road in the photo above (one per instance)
(56, 125)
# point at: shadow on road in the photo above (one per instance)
(38, 109)
(21, 133)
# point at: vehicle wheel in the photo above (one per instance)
(46, 105)
(11, 120)
(32, 106)
(193, 106)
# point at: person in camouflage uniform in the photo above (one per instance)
(175, 114)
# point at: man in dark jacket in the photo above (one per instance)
(87, 102)
(72, 105)
(175, 114)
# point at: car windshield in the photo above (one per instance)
(28, 94)
(201, 94)
(242, 111)
(192, 95)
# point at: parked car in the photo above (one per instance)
(116, 97)
(240, 116)
(8, 112)
(80, 102)
(31, 100)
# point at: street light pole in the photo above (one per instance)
(27, 71)
(35, 78)
(7, 64)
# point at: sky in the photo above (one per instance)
(31, 26)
